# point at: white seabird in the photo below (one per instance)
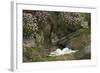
(64, 51)
(56, 52)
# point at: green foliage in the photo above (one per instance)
(47, 27)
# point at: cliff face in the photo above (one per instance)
(81, 40)
(45, 31)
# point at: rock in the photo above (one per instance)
(80, 41)
(29, 43)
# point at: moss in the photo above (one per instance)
(36, 55)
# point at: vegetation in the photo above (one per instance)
(45, 31)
